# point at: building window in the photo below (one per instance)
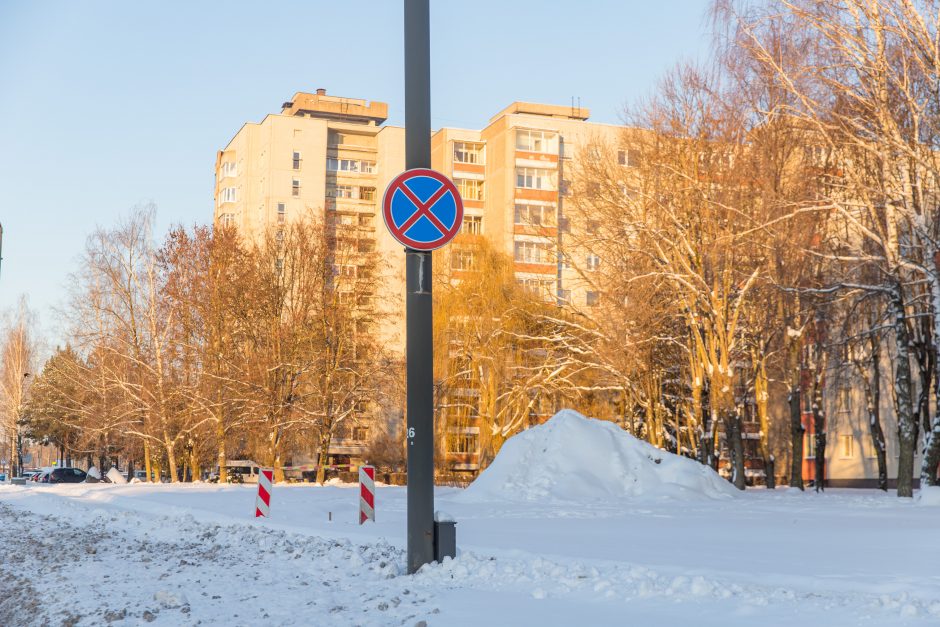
(360, 434)
(340, 191)
(296, 160)
(464, 443)
(533, 178)
(346, 219)
(536, 141)
(472, 225)
(846, 446)
(281, 213)
(227, 169)
(868, 446)
(593, 226)
(806, 400)
(346, 271)
(295, 188)
(470, 189)
(532, 252)
(593, 261)
(467, 152)
(227, 194)
(352, 192)
(591, 298)
(227, 219)
(845, 400)
(535, 215)
(809, 446)
(565, 296)
(366, 220)
(354, 166)
(539, 287)
(462, 260)
(629, 158)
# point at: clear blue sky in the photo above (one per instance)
(104, 105)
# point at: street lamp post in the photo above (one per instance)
(419, 343)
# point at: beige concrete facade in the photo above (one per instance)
(850, 453)
(331, 158)
(325, 156)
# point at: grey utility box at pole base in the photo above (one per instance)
(445, 539)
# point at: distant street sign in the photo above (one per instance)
(422, 209)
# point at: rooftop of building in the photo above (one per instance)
(545, 110)
(320, 105)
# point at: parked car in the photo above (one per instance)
(29, 474)
(62, 475)
(42, 474)
(239, 471)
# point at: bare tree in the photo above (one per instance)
(18, 354)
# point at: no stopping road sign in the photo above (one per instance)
(422, 209)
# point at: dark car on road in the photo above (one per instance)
(62, 475)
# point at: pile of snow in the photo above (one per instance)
(573, 458)
(114, 476)
(94, 473)
(929, 495)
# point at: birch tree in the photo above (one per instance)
(867, 93)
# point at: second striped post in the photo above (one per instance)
(263, 502)
(366, 493)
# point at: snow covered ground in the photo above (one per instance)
(192, 554)
(576, 523)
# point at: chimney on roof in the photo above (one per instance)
(321, 91)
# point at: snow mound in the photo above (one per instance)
(929, 495)
(94, 473)
(114, 476)
(573, 458)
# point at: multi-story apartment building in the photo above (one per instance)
(323, 157)
(850, 458)
(331, 158)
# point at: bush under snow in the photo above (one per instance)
(573, 458)
(114, 476)
(929, 495)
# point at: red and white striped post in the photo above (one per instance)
(366, 493)
(263, 502)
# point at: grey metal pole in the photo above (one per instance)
(419, 343)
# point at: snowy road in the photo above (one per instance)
(192, 554)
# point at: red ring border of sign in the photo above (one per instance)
(404, 240)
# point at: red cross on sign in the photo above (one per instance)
(422, 209)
